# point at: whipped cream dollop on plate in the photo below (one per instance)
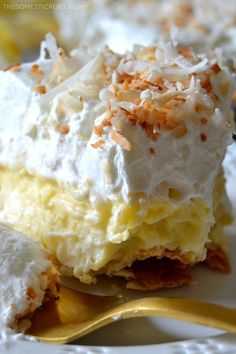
(26, 273)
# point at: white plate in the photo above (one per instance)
(154, 335)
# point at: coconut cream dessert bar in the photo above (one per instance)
(27, 278)
(114, 162)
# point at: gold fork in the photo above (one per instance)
(76, 314)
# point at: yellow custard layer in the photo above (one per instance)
(111, 236)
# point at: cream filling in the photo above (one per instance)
(111, 236)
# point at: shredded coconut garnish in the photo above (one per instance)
(104, 103)
(51, 45)
(98, 144)
(155, 94)
(121, 140)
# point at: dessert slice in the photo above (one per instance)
(27, 278)
(117, 160)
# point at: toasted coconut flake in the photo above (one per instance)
(139, 85)
(51, 45)
(121, 140)
(35, 69)
(174, 102)
(203, 121)
(215, 68)
(98, 130)
(141, 115)
(228, 124)
(224, 88)
(203, 137)
(171, 123)
(109, 116)
(186, 52)
(148, 105)
(199, 106)
(98, 144)
(41, 89)
(150, 132)
(180, 98)
(57, 68)
(158, 82)
(152, 151)
(206, 84)
(137, 101)
(179, 131)
(31, 293)
(63, 128)
(107, 122)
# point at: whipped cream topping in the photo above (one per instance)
(24, 277)
(230, 173)
(119, 125)
(229, 161)
(120, 24)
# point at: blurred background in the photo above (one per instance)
(119, 23)
(22, 28)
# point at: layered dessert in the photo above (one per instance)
(114, 162)
(27, 278)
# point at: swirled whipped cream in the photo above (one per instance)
(116, 126)
(25, 275)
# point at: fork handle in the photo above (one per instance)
(187, 310)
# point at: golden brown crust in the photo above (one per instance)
(167, 272)
(218, 259)
(154, 274)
